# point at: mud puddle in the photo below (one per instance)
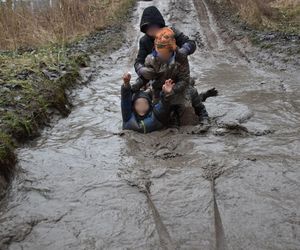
(236, 186)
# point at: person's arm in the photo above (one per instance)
(162, 109)
(185, 44)
(182, 79)
(144, 72)
(141, 56)
(126, 98)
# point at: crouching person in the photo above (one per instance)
(166, 63)
(138, 112)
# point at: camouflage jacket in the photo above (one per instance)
(176, 69)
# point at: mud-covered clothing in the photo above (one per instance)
(196, 101)
(155, 119)
(176, 69)
(146, 45)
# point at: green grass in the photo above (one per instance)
(289, 20)
(26, 93)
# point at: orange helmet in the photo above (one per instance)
(165, 41)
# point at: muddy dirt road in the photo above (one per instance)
(237, 186)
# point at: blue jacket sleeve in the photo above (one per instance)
(126, 102)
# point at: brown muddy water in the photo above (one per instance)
(82, 185)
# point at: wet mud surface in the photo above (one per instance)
(235, 185)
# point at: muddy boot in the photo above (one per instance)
(198, 106)
(175, 119)
(209, 93)
(204, 120)
(201, 112)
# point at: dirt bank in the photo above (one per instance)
(276, 46)
(35, 82)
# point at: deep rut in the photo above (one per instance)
(212, 39)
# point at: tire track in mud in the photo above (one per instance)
(165, 239)
(140, 178)
(213, 42)
(220, 240)
(213, 39)
(212, 171)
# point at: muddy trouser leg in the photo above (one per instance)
(198, 106)
(176, 114)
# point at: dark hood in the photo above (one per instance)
(151, 15)
(145, 95)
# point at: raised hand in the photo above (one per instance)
(126, 78)
(167, 88)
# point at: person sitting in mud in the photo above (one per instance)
(165, 63)
(138, 112)
(151, 22)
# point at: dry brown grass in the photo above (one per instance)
(274, 14)
(286, 3)
(63, 22)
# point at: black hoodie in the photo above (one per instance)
(152, 16)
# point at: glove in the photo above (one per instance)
(210, 93)
(185, 49)
(147, 73)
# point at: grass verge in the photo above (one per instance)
(33, 82)
(269, 15)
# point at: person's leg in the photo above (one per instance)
(175, 117)
(198, 106)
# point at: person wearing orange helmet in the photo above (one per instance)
(166, 64)
(151, 21)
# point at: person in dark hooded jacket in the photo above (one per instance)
(138, 112)
(166, 63)
(151, 21)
